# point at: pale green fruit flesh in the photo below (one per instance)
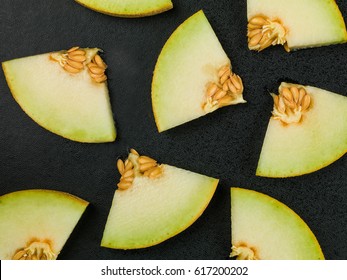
(310, 23)
(189, 60)
(270, 229)
(70, 105)
(317, 141)
(128, 8)
(43, 215)
(154, 210)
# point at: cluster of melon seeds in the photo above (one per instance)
(97, 69)
(37, 250)
(243, 252)
(136, 165)
(228, 89)
(73, 61)
(263, 32)
(291, 104)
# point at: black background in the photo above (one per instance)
(225, 144)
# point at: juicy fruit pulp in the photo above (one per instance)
(264, 228)
(192, 76)
(128, 8)
(313, 138)
(70, 101)
(295, 24)
(35, 224)
(155, 205)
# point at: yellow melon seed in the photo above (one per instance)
(134, 152)
(120, 166)
(70, 69)
(73, 49)
(146, 166)
(258, 20)
(75, 64)
(78, 58)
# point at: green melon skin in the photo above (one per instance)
(189, 60)
(319, 140)
(69, 105)
(37, 214)
(128, 8)
(152, 211)
(274, 230)
(310, 23)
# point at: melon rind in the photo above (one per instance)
(40, 214)
(152, 211)
(317, 141)
(188, 61)
(274, 230)
(128, 8)
(310, 23)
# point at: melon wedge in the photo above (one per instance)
(192, 76)
(65, 100)
(35, 224)
(128, 8)
(296, 24)
(266, 229)
(301, 142)
(154, 202)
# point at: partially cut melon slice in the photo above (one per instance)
(154, 202)
(193, 75)
(307, 131)
(35, 224)
(266, 229)
(296, 24)
(128, 8)
(64, 92)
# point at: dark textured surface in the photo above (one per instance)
(225, 144)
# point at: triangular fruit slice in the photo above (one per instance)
(35, 224)
(154, 202)
(193, 75)
(265, 229)
(128, 8)
(307, 131)
(296, 24)
(64, 92)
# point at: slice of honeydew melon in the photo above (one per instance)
(64, 92)
(35, 224)
(128, 8)
(192, 76)
(154, 202)
(265, 229)
(303, 135)
(296, 24)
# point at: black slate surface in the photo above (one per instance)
(225, 144)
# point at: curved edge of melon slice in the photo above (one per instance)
(133, 9)
(264, 228)
(44, 217)
(153, 210)
(70, 105)
(317, 141)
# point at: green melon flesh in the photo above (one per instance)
(273, 230)
(310, 23)
(128, 8)
(153, 210)
(319, 140)
(37, 214)
(189, 60)
(70, 105)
